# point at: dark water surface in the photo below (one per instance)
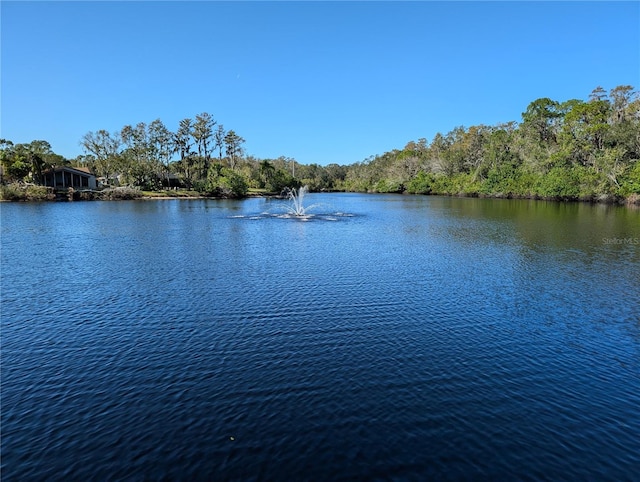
(388, 338)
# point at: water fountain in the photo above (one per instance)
(295, 208)
(297, 197)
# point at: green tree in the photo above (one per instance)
(540, 120)
(267, 172)
(223, 182)
(622, 97)
(27, 162)
(162, 141)
(105, 148)
(502, 167)
(40, 157)
(140, 161)
(234, 148)
(337, 175)
(182, 144)
(598, 94)
(202, 134)
(14, 161)
(584, 130)
(182, 138)
(84, 160)
(437, 154)
(473, 143)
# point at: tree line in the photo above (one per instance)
(143, 155)
(573, 149)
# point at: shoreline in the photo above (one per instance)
(632, 200)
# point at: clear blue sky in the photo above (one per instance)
(321, 82)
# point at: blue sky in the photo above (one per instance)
(321, 82)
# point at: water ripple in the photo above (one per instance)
(413, 339)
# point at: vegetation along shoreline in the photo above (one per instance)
(574, 150)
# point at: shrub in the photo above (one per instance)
(630, 181)
(507, 180)
(224, 183)
(559, 183)
(388, 186)
(421, 183)
(120, 194)
(26, 192)
(592, 184)
(457, 185)
(233, 184)
(12, 192)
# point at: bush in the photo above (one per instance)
(26, 192)
(233, 184)
(559, 183)
(120, 194)
(507, 180)
(421, 183)
(456, 185)
(388, 186)
(630, 181)
(593, 185)
(12, 192)
(224, 183)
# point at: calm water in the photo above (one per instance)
(387, 338)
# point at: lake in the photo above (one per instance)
(386, 337)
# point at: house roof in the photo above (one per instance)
(78, 170)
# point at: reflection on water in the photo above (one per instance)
(296, 217)
(394, 337)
